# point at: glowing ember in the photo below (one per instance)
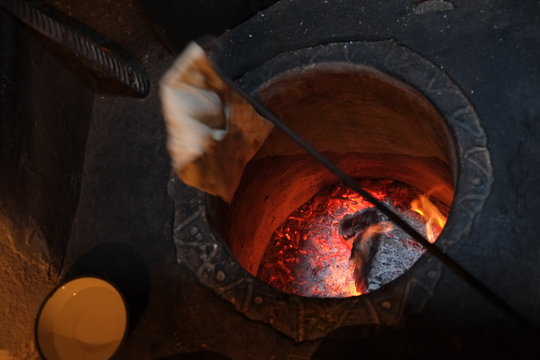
(308, 256)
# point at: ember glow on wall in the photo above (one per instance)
(372, 126)
(312, 254)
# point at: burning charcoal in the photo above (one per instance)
(367, 226)
(351, 225)
(319, 251)
(396, 253)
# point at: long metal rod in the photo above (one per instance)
(105, 60)
(458, 269)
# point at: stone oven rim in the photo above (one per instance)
(202, 250)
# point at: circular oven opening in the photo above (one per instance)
(293, 226)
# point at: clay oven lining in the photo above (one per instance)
(370, 124)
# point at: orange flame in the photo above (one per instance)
(357, 259)
(435, 221)
(379, 228)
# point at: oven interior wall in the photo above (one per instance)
(371, 125)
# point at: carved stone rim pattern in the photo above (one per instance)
(203, 251)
